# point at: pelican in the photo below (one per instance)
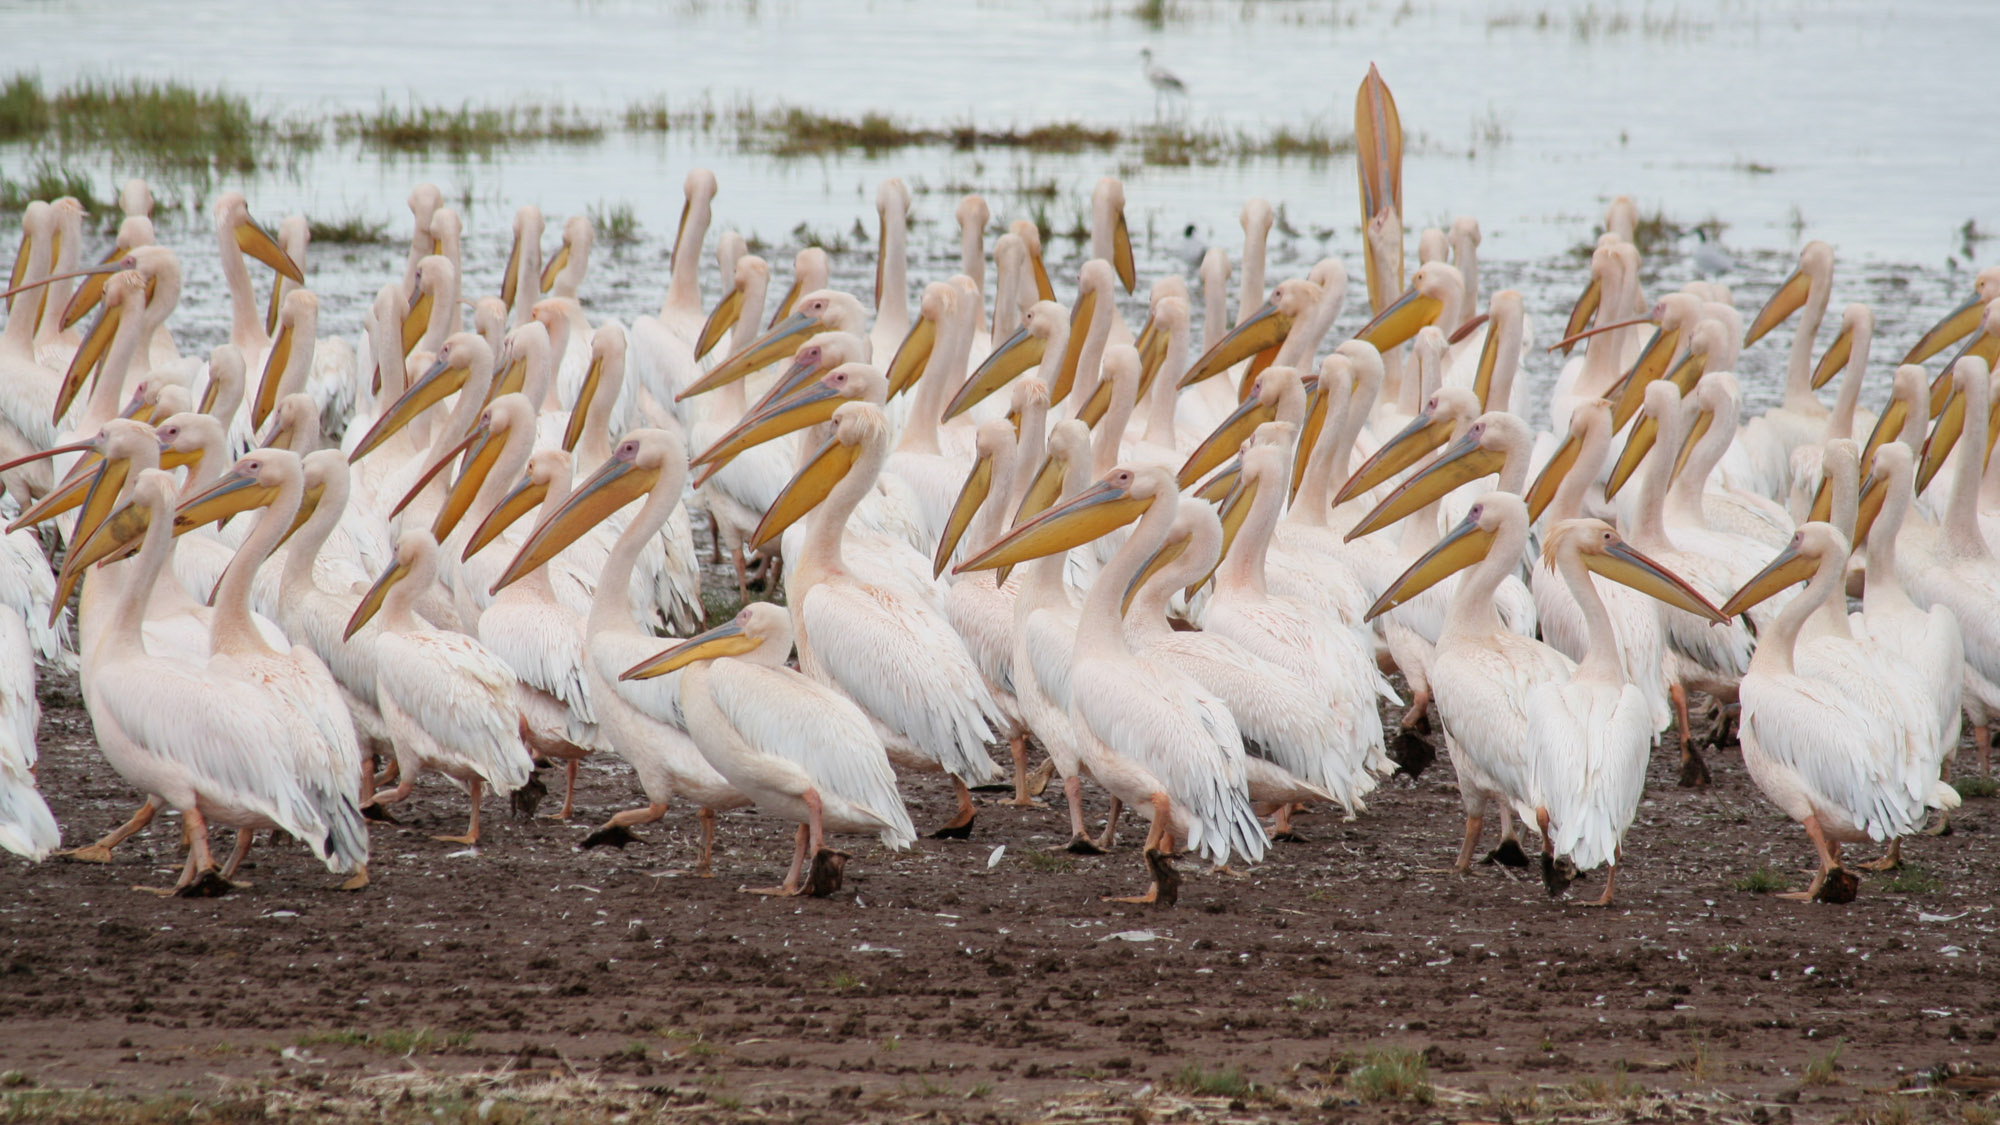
(447, 700)
(238, 234)
(1486, 676)
(1720, 509)
(524, 260)
(892, 286)
(1154, 738)
(1770, 437)
(1614, 276)
(662, 347)
(640, 719)
(876, 632)
(1847, 356)
(1825, 744)
(737, 494)
(27, 828)
(796, 747)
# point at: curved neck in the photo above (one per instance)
(611, 609)
(233, 630)
(1107, 441)
(311, 537)
(1098, 632)
(991, 522)
(1090, 359)
(1567, 504)
(1602, 355)
(1798, 362)
(827, 524)
(1312, 505)
(1214, 309)
(246, 328)
(1148, 612)
(108, 392)
(1962, 537)
(1244, 565)
(920, 430)
(139, 576)
(892, 301)
(1773, 654)
(684, 289)
(1472, 609)
(1164, 395)
(1250, 287)
(527, 278)
(1884, 589)
(1840, 424)
(972, 263)
(1506, 362)
(1600, 661)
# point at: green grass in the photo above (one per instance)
(1975, 788)
(350, 230)
(846, 982)
(1048, 863)
(1601, 1091)
(614, 223)
(170, 122)
(1822, 1070)
(1913, 880)
(1763, 881)
(394, 1041)
(48, 180)
(467, 129)
(1393, 1074)
(1308, 1002)
(1223, 1082)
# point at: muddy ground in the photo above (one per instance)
(532, 980)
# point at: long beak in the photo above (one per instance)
(120, 531)
(271, 310)
(580, 412)
(1489, 360)
(555, 267)
(1309, 431)
(1462, 462)
(787, 337)
(1400, 321)
(256, 242)
(809, 407)
(525, 497)
(105, 485)
(1099, 403)
(1651, 364)
(1044, 289)
(1152, 347)
(1582, 333)
(1218, 487)
(20, 269)
(1956, 325)
(138, 409)
(441, 380)
(726, 639)
(978, 485)
(431, 473)
(232, 494)
(1874, 494)
(89, 356)
(1042, 494)
(1234, 511)
(1121, 252)
(1627, 567)
(511, 375)
(1835, 358)
(96, 273)
(416, 320)
(1090, 514)
(1788, 569)
(510, 281)
(1703, 419)
(66, 495)
(92, 290)
(274, 372)
(1561, 462)
(371, 602)
(810, 485)
(1227, 439)
(1645, 432)
(1017, 353)
(485, 450)
(1262, 329)
(1943, 435)
(727, 312)
(1423, 434)
(308, 504)
(784, 309)
(616, 483)
(1786, 301)
(1580, 314)
(1463, 546)
(1169, 551)
(1080, 318)
(1689, 371)
(1378, 137)
(1985, 346)
(1887, 426)
(912, 356)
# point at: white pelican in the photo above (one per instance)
(1719, 508)
(737, 494)
(1155, 739)
(27, 828)
(972, 214)
(1485, 675)
(1614, 275)
(447, 700)
(892, 263)
(425, 199)
(1111, 241)
(237, 234)
(662, 348)
(876, 632)
(1847, 356)
(1770, 437)
(1827, 748)
(796, 747)
(524, 262)
(640, 719)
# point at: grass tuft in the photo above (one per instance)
(1394, 1074)
(1763, 881)
(48, 181)
(614, 223)
(354, 229)
(1823, 1070)
(394, 1041)
(1976, 788)
(1224, 1082)
(846, 982)
(466, 130)
(1913, 880)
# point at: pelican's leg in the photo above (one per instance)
(199, 879)
(1017, 746)
(100, 852)
(1829, 865)
(1110, 835)
(1982, 737)
(714, 540)
(1509, 853)
(1694, 771)
(1420, 702)
(399, 793)
(244, 838)
(357, 880)
(707, 818)
(1473, 824)
(960, 826)
(1164, 887)
(617, 831)
(476, 789)
(569, 792)
(1079, 837)
(1610, 876)
(1891, 859)
(791, 884)
(1555, 876)
(1281, 825)
(388, 776)
(742, 573)
(828, 864)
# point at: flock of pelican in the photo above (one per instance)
(307, 572)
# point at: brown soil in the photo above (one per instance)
(984, 986)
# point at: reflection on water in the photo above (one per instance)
(1786, 122)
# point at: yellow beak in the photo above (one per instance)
(1121, 252)
(1227, 439)
(616, 483)
(978, 485)
(441, 380)
(1703, 419)
(1218, 488)
(1887, 426)
(1309, 431)
(784, 309)
(1094, 512)
(727, 312)
(485, 450)
(1651, 364)
(1463, 546)
(1017, 353)
(580, 412)
(809, 407)
(91, 290)
(1956, 325)
(810, 485)
(525, 497)
(510, 281)
(1044, 289)
(1462, 462)
(1080, 319)
(912, 356)
(1689, 371)
(726, 639)
(1423, 434)
(1788, 569)
(1543, 491)
(1645, 432)
(1786, 301)
(274, 372)
(1043, 492)
(1400, 321)
(81, 486)
(1944, 434)
(787, 337)
(1489, 359)
(1874, 494)
(89, 356)
(554, 267)
(371, 602)
(122, 529)
(1263, 329)
(1580, 314)
(416, 320)
(1169, 551)
(232, 494)
(254, 241)
(1835, 358)
(1622, 564)
(1378, 137)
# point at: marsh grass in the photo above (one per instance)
(352, 229)
(614, 223)
(48, 180)
(467, 129)
(1222, 1082)
(171, 123)
(1971, 788)
(1763, 881)
(1393, 1074)
(1913, 880)
(1823, 1070)
(393, 1041)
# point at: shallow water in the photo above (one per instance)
(1784, 122)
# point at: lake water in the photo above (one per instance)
(1835, 119)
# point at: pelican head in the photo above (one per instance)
(1031, 239)
(1676, 316)
(1441, 416)
(1110, 238)
(435, 275)
(607, 362)
(850, 382)
(1815, 274)
(528, 227)
(1278, 393)
(1812, 544)
(645, 460)
(760, 633)
(940, 300)
(1464, 545)
(232, 220)
(465, 357)
(818, 311)
(1959, 322)
(1261, 331)
(752, 275)
(1123, 495)
(121, 447)
(1857, 331)
(1481, 451)
(407, 576)
(547, 476)
(571, 259)
(1589, 426)
(1043, 323)
(298, 329)
(254, 481)
(1602, 552)
(1435, 287)
(1660, 400)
